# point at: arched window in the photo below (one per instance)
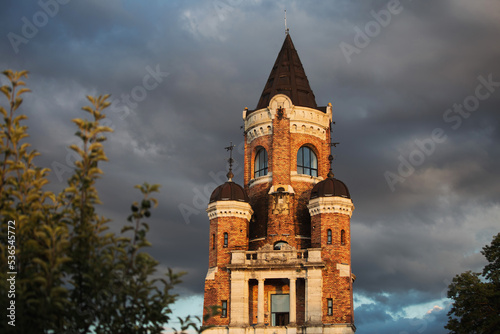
(260, 163)
(342, 237)
(307, 163)
(329, 237)
(226, 241)
(213, 241)
(279, 244)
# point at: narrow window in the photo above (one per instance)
(329, 237)
(342, 237)
(330, 306)
(223, 311)
(307, 163)
(213, 241)
(260, 167)
(225, 239)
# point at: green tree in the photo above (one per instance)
(39, 238)
(73, 274)
(476, 306)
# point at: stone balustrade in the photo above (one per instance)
(286, 256)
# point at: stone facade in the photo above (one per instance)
(280, 261)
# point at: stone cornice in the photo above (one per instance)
(229, 209)
(294, 177)
(311, 121)
(332, 204)
(211, 273)
(258, 124)
(261, 179)
(303, 120)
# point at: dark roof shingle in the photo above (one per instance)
(289, 78)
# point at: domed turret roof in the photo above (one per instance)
(330, 187)
(229, 191)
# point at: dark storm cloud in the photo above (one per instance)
(371, 318)
(408, 240)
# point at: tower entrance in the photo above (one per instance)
(280, 309)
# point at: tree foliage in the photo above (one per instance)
(72, 274)
(476, 307)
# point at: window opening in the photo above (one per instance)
(307, 162)
(223, 311)
(261, 167)
(279, 244)
(280, 309)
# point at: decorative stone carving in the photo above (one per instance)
(281, 202)
(287, 247)
(275, 258)
(266, 248)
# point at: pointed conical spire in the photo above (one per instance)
(288, 77)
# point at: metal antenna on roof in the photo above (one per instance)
(330, 157)
(230, 174)
(286, 28)
(332, 144)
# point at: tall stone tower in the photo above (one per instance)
(280, 250)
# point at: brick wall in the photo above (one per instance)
(216, 291)
(252, 301)
(301, 301)
(281, 151)
(237, 231)
(338, 288)
(282, 147)
(259, 203)
(219, 289)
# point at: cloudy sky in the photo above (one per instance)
(415, 87)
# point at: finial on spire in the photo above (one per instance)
(330, 173)
(230, 174)
(286, 28)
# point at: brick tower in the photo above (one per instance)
(280, 251)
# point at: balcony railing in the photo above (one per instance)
(267, 255)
